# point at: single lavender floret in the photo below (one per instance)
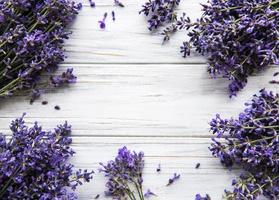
(124, 175)
(158, 168)
(251, 142)
(34, 163)
(173, 179)
(149, 193)
(113, 15)
(197, 165)
(159, 12)
(118, 3)
(92, 3)
(102, 22)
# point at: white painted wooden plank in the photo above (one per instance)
(127, 40)
(175, 155)
(138, 100)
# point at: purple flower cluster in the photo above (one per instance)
(32, 33)
(252, 142)
(199, 197)
(239, 37)
(34, 163)
(124, 175)
(159, 12)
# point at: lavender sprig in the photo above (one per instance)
(159, 12)
(34, 163)
(124, 175)
(251, 141)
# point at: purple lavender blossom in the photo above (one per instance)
(32, 34)
(199, 197)
(34, 163)
(159, 12)
(251, 141)
(158, 168)
(124, 173)
(65, 78)
(173, 179)
(149, 193)
(118, 3)
(113, 15)
(239, 38)
(197, 165)
(92, 3)
(102, 23)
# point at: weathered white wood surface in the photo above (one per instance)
(133, 91)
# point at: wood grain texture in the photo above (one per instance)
(138, 100)
(133, 91)
(127, 39)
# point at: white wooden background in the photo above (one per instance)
(136, 92)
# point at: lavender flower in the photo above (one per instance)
(113, 15)
(239, 38)
(251, 141)
(158, 168)
(173, 179)
(159, 12)
(34, 163)
(198, 165)
(32, 33)
(102, 22)
(65, 78)
(124, 173)
(92, 3)
(148, 194)
(199, 197)
(118, 3)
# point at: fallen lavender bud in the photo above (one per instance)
(159, 12)
(158, 168)
(102, 22)
(113, 15)
(35, 163)
(97, 196)
(198, 165)
(148, 194)
(92, 3)
(44, 102)
(118, 3)
(251, 142)
(199, 197)
(173, 179)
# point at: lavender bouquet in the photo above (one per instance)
(33, 163)
(32, 33)
(239, 38)
(125, 175)
(159, 12)
(252, 142)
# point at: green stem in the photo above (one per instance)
(3, 90)
(3, 190)
(262, 186)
